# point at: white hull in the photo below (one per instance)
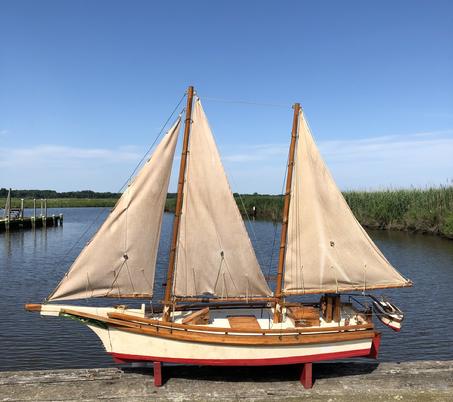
(129, 346)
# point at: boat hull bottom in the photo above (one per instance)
(128, 358)
(306, 361)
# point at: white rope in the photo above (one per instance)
(364, 278)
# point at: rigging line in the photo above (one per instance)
(183, 226)
(364, 279)
(250, 224)
(130, 277)
(154, 142)
(229, 273)
(276, 225)
(296, 204)
(115, 277)
(219, 271)
(149, 284)
(245, 102)
(299, 226)
(128, 203)
(297, 219)
(88, 287)
(96, 218)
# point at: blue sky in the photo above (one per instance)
(86, 85)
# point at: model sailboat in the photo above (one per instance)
(218, 308)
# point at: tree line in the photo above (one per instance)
(50, 194)
(55, 194)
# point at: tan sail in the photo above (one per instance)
(120, 259)
(214, 252)
(327, 248)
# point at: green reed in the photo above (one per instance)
(422, 210)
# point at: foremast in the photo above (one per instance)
(284, 230)
(178, 208)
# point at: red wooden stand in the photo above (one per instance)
(157, 374)
(375, 346)
(306, 375)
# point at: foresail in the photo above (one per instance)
(120, 259)
(214, 253)
(327, 248)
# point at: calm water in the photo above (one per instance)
(32, 263)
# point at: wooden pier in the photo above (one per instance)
(349, 382)
(31, 222)
(13, 218)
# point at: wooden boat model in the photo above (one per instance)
(218, 308)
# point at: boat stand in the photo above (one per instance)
(306, 375)
(157, 374)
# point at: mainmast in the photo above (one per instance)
(178, 209)
(284, 232)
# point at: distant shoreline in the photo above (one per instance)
(422, 211)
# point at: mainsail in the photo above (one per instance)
(327, 249)
(120, 259)
(214, 253)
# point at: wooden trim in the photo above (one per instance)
(345, 289)
(244, 322)
(178, 208)
(226, 299)
(197, 317)
(284, 230)
(213, 305)
(33, 307)
(128, 296)
(278, 337)
(96, 317)
(329, 308)
(228, 339)
(301, 330)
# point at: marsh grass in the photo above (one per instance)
(419, 210)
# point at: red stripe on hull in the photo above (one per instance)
(126, 358)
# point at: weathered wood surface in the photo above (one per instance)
(368, 381)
